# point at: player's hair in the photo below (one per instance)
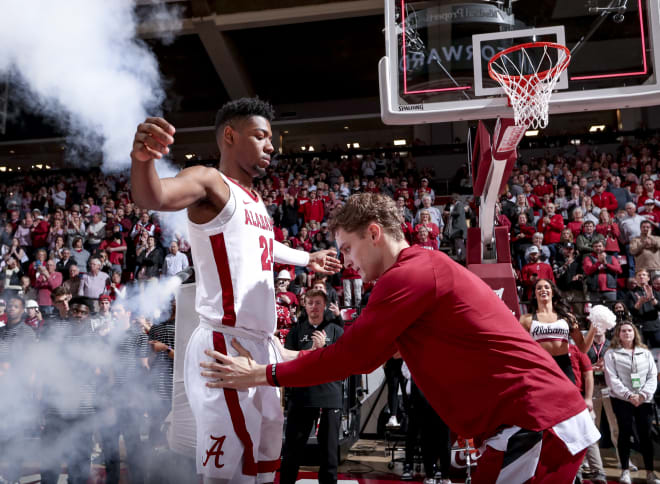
(243, 108)
(316, 293)
(362, 209)
(61, 291)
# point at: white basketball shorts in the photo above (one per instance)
(238, 432)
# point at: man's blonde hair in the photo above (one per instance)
(362, 209)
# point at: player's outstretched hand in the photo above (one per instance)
(324, 261)
(239, 372)
(152, 139)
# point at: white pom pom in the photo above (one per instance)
(601, 316)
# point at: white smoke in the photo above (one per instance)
(80, 64)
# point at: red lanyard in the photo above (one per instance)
(597, 351)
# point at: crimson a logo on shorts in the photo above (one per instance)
(215, 451)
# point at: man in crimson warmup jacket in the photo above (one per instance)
(500, 386)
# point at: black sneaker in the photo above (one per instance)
(407, 474)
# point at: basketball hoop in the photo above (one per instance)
(528, 73)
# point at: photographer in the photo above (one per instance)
(306, 403)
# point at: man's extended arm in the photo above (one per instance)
(168, 194)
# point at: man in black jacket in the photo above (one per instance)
(306, 404)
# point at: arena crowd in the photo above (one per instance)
(73, 246)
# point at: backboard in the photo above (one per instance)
(437, 53)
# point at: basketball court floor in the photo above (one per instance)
(368, 462)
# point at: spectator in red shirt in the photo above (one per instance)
(115, 247)
(603, 199)
(649, 193)
(534, 271)
(650, 212)
(601, 271)
(39, 230)
(610, 230)
(423, 239)
(313, 209)
(543, 188)
(3, 314)
(433, 231)
(302, 240)
(551, 226)
(403, 188)
(47, 279)
(576, 224)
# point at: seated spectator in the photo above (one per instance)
(535, 270)
(92, 284)
(601, 271)
(586, 239)
(544, 251)
(646, 249)
(610, 230)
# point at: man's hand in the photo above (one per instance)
(318, 339)
(152, 139)
(590, 404)
(324, 261)
(335, 309)
(158, 346)
(240, 372)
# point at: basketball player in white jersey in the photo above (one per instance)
(239, 433)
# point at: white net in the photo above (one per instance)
(528, 74)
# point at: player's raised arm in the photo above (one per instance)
(151, 142)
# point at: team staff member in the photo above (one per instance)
(632, 378)
(503, 388)
(306, 403)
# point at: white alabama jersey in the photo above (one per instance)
(233, 258)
